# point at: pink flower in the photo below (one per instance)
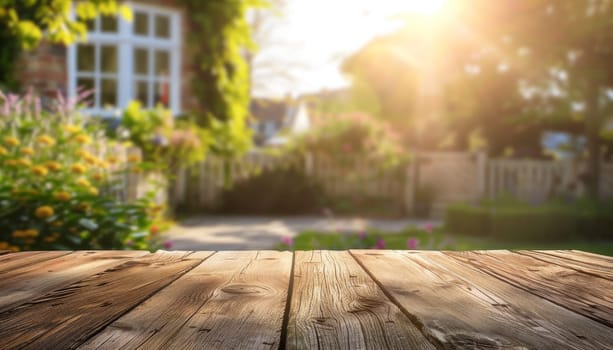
(287, 240)
(380, 244)
(428, 227)
(412, 243)
(167, 244)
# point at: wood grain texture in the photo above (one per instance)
(160, 316)
(20, 285)
(336, 305)
(586, 264)
(10, 262)
(582, 293)
(244, 305)
(66, 317)
(461, 307)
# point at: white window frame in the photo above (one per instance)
(126, 41)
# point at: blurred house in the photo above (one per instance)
(273, 121)
(144, 59)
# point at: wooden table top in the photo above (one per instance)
(359, 299)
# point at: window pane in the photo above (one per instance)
(162, 92)
(141, 23)
(141, 61)
(162, 63)
(85, 58)
(162, 26)
(85, 83)
(141, 92)
(108, 24)
(109, 59)
(91, 25)
(108, 92)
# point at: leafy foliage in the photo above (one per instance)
(59, 187)
(352, 134)
(222, 75)
(166, 142)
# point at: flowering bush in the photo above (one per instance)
(352, 134)
(164, 141)
(58, 188)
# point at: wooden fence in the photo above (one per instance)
(201, 186)
(454, 176)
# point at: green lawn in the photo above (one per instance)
(437, 240)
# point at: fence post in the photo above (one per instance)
(308, 164)
(481, 174)
(410, 177)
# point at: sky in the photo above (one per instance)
(312, 37)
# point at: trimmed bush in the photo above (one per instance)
(274, 191)
(467, 220)
(522, 222)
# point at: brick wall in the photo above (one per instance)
(45, 68)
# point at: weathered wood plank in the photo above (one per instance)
(72, 314)
(242, 305)
(582, 293)
(578, 262)
(10, 262)
(180, 300)
(336, 305)
(22, 284)
(458, 306)
(603, 258)
(2, 252)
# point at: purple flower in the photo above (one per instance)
(167, 244)
(287, 240)
(412, 243)
(380, 244)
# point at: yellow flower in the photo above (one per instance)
(93, 191)
(45, 140)
(91, 159)
(49, 239)
(11, 162)
(62, 196)
(27, 151)
(83, 206)
(78, 168)
(136, 170)
(103, 164)
(24, 161)
(83, 139)
(82, 182)
(4, 246)
(3, 151)
(69, 128)
(40, 170)
(31, 233)
(112, 159)
(133, 158)
(44, 212)
(53, 166)
(18, 234)
(11, 141)
(82, 153)
(14, 248)
(57, 223)
(98, 176)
